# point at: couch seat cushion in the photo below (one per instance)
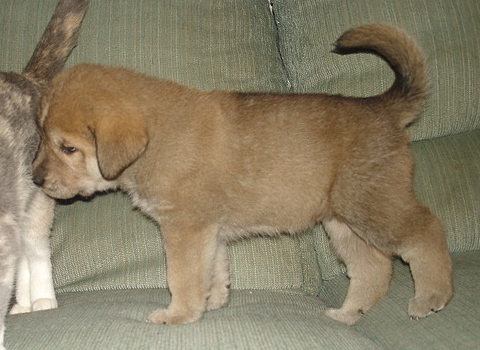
(116, 320)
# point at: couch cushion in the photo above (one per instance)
(447, 177)
(116, 320)
(448, 31)
(256, 320)
(203, 43)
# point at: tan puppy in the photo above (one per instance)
(211, 167)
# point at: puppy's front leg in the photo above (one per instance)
(190, 259)
(220, 288)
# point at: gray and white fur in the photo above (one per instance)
(26, 213)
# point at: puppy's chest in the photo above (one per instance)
(152, 206)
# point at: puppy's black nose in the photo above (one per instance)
(38, 181)
(39, 176)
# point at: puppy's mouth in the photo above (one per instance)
(59, 192)
(54, 188)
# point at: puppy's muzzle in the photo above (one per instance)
(39, 176)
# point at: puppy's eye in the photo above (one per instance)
(68, 150)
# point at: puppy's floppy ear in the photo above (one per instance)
(120, 141)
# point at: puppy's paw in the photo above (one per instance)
(166, 316)
(44, 304)
(215, 304)
(421, 307)
(20, 309)
(218, 299)
(349, 318)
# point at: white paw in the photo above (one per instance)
(44, 304)
(20, 309)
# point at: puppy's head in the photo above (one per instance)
(90, 134)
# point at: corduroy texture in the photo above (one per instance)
(447, 179)
(116, 320)
(447, 30)
(205, 44)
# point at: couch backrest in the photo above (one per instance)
(447, 30)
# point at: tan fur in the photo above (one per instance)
(215, 166)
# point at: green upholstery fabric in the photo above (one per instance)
(203, 43)
(447, 173)
(447, 30)
(116, 320)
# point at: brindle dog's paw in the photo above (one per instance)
(20, 309)
(166, 316)
(44, 304)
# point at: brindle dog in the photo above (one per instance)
(26, 213)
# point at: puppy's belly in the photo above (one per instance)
(231, 233)
(286, 217)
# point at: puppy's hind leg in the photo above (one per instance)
(368, 268)
(426, 251)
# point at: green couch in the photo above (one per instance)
(108, 259)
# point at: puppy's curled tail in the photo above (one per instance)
(409, 90)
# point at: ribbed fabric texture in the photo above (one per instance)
(447, 30)
(116, 320)
(447, 180)
(202, 43)
(105, 244)
(256, 320)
